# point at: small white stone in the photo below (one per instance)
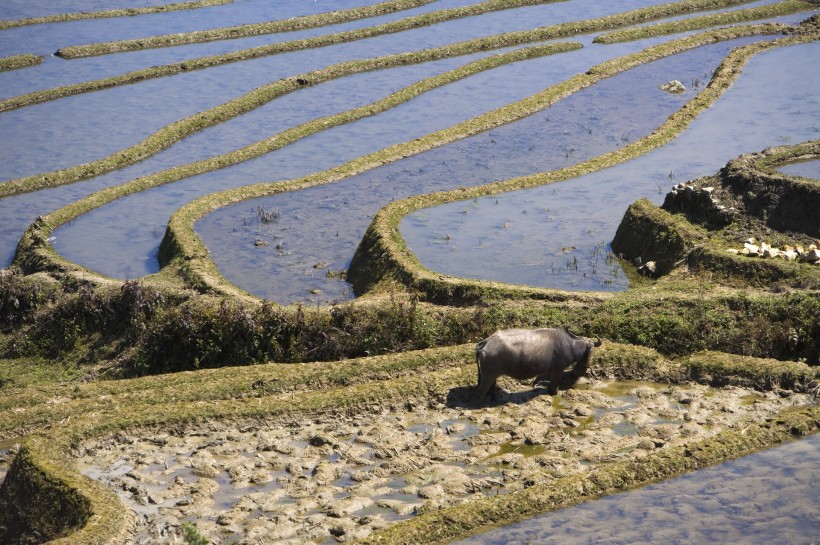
(811, 256)
(673, 86)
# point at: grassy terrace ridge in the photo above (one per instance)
(122, 12)
(236, 391)
(383, 256)
(784, 7)
(257, 29)
(19, 61)
(183, 247)
(410, 23)
(507, 39)
(260, 96)
(105, 408)
(677, 234)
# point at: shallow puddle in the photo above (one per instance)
(806, 169)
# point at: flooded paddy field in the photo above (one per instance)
(340, 477)
(324, 224)
(306, 233)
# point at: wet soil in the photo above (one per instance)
(337, 477)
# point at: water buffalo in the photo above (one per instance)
(542, 354)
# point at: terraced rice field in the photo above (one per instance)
(279, 204)
(160, 156)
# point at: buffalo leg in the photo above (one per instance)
(484, 386)
(555, 380)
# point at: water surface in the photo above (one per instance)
(806, 169)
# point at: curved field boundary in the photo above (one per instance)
(183, 247)
(19, 61)
(785, 7)
(103, 196)
(184, 251)
(44, 466)
(766, 163)
(383, 255)
(107, 14)
(508, 39)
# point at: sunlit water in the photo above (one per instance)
(764, 498)
(131, 229)
(552, 236)
(85, 127)
(324, 224)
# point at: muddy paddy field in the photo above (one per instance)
(339, 477)
(248, 249)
